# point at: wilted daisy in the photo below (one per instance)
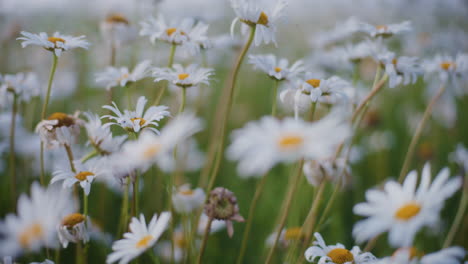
(260, 145)
(59, 129)
(185, 33)
(73, 229)
(183, 77)
(134, 121)
(84, 175)
(263, 15)
(451, 255)
(140, 238)
(22, 85)
(278, 70)
(35, 224)
(113, 77)
(100, 136)
(402, 70)
(57, 43)
(287, 236)
(117, 29)
(222, 205)
(401, 209)
(336, 254)
(186, 200)
(385, 30)
(144, 152)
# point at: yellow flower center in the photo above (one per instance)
(117, 19)
(394, 61)
(407, 211)
(31, 233)
(263, 19)
(412, 251)
(55, 40)
(278, 69)
(144, 241)
(183, 76)
(171, 31)
(124, 76)
(294, 233)
(314, 82)
(382, 27)
(63, 119)
(81, 176)
(151, 150)
(141, 120)
(447, 65)
(290, 141)
(186, 192)
(72, 220)
(340, 255)
(180, 241)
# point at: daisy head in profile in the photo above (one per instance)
(59, 129)
(336, 254)
(113, 77)
(117, 29)
(400, 70)
(73, 229)
(183, 77)
(139, 239)
(57, 43)
(329, 91)
(403, 210)
(448, 67)
(261, 15)
(186, 200)
(135, 121)
(277, 69)
(385, 31)
(100, 136)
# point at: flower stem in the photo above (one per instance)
(375, 90)
(12, 151)
(205, 240)
(418, 132)
(85, 205)
(153, 256)
(459, 216)
(312, 111)
(169, 65)
(275, 97)
(285, 210)
(124, 209)
(309, 223)
(136, 194)
(184, 98)
(70, 157)
(253, 206)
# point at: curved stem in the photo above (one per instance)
(459, 216)
(253, 206)
(275, 97)
(70, 157)
(12, 150)
(309, 223)
(169, 65)
(284, 214)
(184, 98)
(205, 240)
(376, 89)
(418, 132)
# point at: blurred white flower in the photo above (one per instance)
(341, 32)
(329, 169)
(216, 225)
(336, 254)
(401, 209)
(183, 77)
(73, 229)
(276, 69)
(330, 91)
(135, 121)
(263, 15)
(460, 157)
(451, 255)
(140, 238)
(402, 70)
(23, 85)
(113, 77)
(189, 158)
(59, 129)
(57, 43)
(117, 29)
(449, 68)
(100, 136)
(287, 236)
(186, 200)
(385, 30)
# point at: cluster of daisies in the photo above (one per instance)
(315, 116)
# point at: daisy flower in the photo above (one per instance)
(342, 31)
(164, 248)
(329, 169)
(72, 229)
(134, 121)
(402, 70)
(117, 29)
(385, 31)
(84, 175)
(296, 100)
(140, 238)
(184, 33)
(263, 15)
(336, 254)
(57, 43)
(186, 200)
(59, 129)
(35, 224)
(189, 76)
(330, 91)
(100, 136)
(448, 67)
(287, 236)
(451, 255)
(23, 85)
(278, 70)
(260, 145)
(149, 148)
(189, 158)
(113, 77)
(401, 209)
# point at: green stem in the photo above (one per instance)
(85, 205)
(184, 98)
(418, 132)
(136, 195)
(376, 89)
(205, 240)
(459, 216)
(169, 65)
(309, 223)
(312, 111)
(153, 256)
(70, 157)
(284, 214)
(275, 97)
(253, 206)
(89, 156)
(124, 209)
(12, 150)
